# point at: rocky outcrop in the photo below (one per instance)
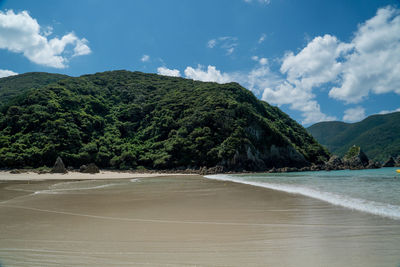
(398, 161)
(59, 166)
(91, 168)
(334, 163)
(212, 170)
(374, 165)
(389, 163)
(261, 159)
(355, 158)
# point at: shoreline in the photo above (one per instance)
(30, 175)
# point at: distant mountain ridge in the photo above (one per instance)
(124, 120)
(377, 135)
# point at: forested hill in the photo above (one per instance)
(12, 86)
(377, 135)
(123, 119)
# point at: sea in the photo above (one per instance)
(375, 191)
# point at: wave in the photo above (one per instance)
(60, 190)
(372, 207)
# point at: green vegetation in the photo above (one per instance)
(123, 119)
(353, 151)
(377, 135)
(12, 86)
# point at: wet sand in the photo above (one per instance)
(74, 175)
(184, 221)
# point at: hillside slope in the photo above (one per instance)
(377, 135)
(125, 119)
(15, 85)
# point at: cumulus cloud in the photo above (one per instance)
(389, 111)
(374, 65)
(20, 33)
(211, 74)
(227, 43)
(145, 58)
(354, 114)
(168, 72)
(6, 73)
(299, 99)
(369, 63)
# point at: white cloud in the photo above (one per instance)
(368, 64)
(145, 58)
(168, 72)
(312, 66)
(211, 74)
(316, 63)
(6, 73)
(230, 50)
(262, 38)
(354, 114)
(389, 111)
(81, 48)
(261, 60)
(211, 43)
(374, 65)
(266, 2)
(20, 33)
(226, 43)
(298, 99)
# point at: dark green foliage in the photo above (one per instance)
(15, 85)
(126, 120)
(377, 135)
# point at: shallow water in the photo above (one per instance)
(374, 191)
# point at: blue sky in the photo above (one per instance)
(316, 60)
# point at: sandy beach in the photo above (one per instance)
(183, 221)
(75, 175)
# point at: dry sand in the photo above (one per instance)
(184, 221)
(73, 175)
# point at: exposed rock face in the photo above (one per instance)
(389, 163)
(398, 161)
(334, 163)
(91, 168)
(59, 166)
(212, 170)
(251, 158)
(374, 165)
(355, 158)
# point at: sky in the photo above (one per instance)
(317, 60)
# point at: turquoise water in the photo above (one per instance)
(373, 191)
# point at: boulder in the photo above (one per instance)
(389, 163)
(398, 161)
(59, 166)
(82, 168)
(91, 168)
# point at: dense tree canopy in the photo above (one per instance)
(123, 119)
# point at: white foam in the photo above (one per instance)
(372, 207)
(60, 190)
